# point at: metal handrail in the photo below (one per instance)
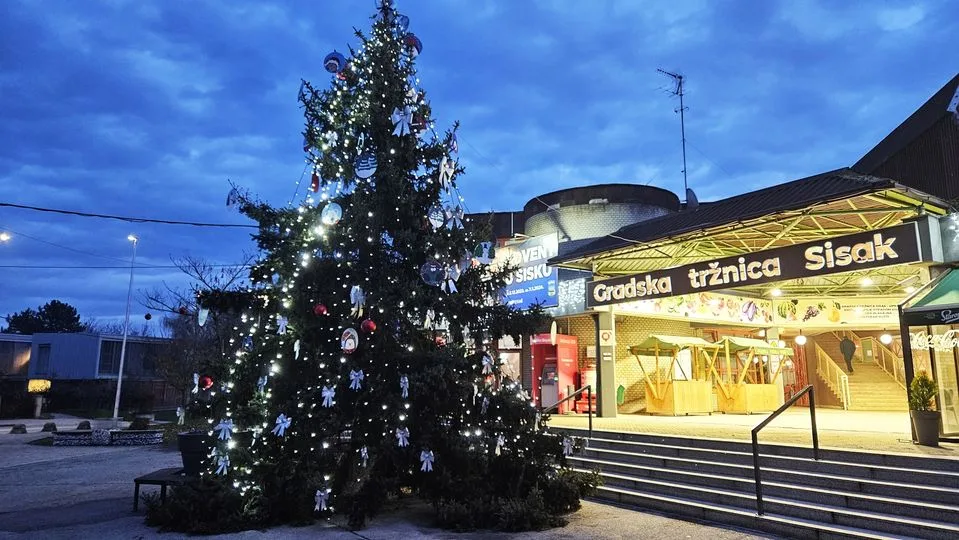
(832, 371)
(815, 437)
(589, 404)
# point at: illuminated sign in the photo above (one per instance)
(38, 386)
(938, 342)
(860, 251)
(532, 281)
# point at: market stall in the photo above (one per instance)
(678, 381)
(751, 368)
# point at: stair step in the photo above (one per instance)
(833, 495)
(785, 526)
(897, 525)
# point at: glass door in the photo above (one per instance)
(944, 341)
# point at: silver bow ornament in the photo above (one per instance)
(282, 424)
(426, 458)
(403, 437)
(404, 387)
(364, 456)
(487, 364)
(222, 463)
(356, 379)
(500, 441)
(180, 415)
(430, 319)
(328, 394)
(281, 323)
(402, 118)
(321, 498)
(296, 350)
(196, 383)
(201, 316)
(484, 405)
(454, 216)
(567, 446)
(261, 383)
(225, 429)
(358, 300)
(451, 274)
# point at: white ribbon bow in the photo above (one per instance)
(430, 318)
(454, 216)
(475, 392)
(180, 415)
(447, 168)
(196, 383)
(328, 394)
(403, 437)
(356, 379)
(223, 463)
(281, 323)
(296, 350)
(201, 315)
(261, 383)
(449, 282)
(358, 299)
(364, 455)
(500, 441)
(426, 457)
(485, 405)
(405, 386)
(402, 118)
(567, 446)
(225, 427)
(322, 496)
(282, 424)
(487, 364)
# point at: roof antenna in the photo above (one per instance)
(679, 90)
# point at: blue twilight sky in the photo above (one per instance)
(147, 108)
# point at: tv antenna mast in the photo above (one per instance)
(679, 90)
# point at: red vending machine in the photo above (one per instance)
(554, 369)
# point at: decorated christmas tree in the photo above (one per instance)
(363, 367)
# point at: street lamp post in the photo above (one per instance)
(126, 331)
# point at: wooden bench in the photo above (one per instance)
(164, 477)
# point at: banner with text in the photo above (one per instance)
(860, 251)
(532, 281)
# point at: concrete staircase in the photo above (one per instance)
(872, 389)
(843, 495)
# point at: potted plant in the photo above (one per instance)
(922, 409)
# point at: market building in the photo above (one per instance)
(732, 306)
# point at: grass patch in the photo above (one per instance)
(46, 441)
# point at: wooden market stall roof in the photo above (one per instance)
(663, 343)
(759, 346)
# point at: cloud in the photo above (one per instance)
(149, 108)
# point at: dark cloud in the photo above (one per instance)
(148, 108)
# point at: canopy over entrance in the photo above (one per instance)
(938, 306)
(667, 344)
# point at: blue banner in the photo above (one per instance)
(532, 281)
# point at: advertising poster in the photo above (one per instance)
(532, 281)
(707, 307)
(826, 312)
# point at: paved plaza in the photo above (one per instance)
(69, 493)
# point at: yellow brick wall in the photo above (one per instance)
(629, 331)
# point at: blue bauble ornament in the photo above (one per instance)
(334, 62)
(365, 165)
(403, 22)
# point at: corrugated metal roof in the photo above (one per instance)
(794, 195)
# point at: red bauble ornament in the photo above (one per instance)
(368, 325)
(183, 310)
(315, 182)
(206, 382)
(148, 316)
(320, 309)
(440, 340)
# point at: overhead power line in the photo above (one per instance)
(127, 267)
(127, 219)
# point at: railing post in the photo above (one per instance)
(812, 418)
(589, 407)
(757, 474)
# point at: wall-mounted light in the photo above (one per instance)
(776, 292)
(885, 338)
(866, 282)
(800, 339)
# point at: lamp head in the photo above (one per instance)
(4, 237)
(133, 238)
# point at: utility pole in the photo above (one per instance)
(679, 90)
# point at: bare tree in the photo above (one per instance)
(194, 348)
(115, 328)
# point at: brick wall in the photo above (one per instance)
(629, 331)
